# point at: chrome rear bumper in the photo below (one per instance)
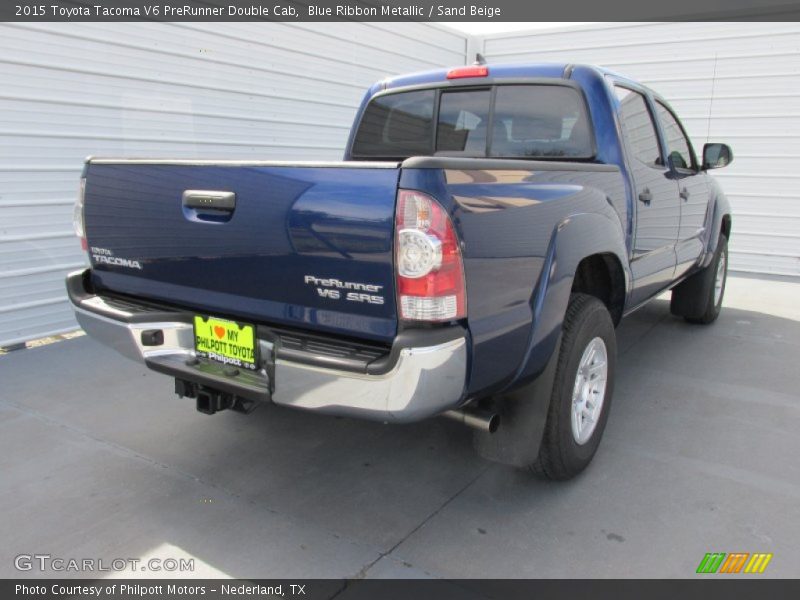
(419, 378)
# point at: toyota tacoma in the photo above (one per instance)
(471, 256)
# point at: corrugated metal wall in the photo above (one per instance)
(233, 90)
(732, 82)
(290, 90)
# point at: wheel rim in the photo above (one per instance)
(719, 280)
(589, 391)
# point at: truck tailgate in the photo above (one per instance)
(303, 245)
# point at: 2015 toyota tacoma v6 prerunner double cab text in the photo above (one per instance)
(488, 228)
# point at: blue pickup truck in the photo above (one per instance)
(488, 228)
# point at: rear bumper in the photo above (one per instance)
(424, 374)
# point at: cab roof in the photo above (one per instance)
(501, 71)
(496, 71)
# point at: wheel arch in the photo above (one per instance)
(589, 239)
(602, 276)
(720, 221)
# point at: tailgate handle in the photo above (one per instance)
(209, 200)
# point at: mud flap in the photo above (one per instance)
(523, 415)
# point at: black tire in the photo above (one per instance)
(694, 299)
(560, 455)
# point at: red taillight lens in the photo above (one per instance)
(473, 71)
(430, 272)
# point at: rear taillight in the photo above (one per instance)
(430, 272)
(77, 214)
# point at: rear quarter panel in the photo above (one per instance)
(524, 229)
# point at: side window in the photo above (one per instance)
(638, 127)
(679, 149)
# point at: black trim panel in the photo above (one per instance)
(80, 290)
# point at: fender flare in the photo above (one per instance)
(721, 209)
(574, 238)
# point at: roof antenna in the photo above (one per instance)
(479, 60)
(711, 100)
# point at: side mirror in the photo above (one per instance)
(716, 156)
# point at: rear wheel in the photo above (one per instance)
(699, 298)
(581, 396)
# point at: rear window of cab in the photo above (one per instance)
(505, 121)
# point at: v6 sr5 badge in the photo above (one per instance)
(349, 291)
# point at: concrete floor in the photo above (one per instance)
(99, 459)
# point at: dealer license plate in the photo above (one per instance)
(227, 342)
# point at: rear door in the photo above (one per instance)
(692, 184)
(656, 198)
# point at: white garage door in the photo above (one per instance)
(732, 82)
(232, 90)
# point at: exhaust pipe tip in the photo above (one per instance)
(494, 422)
(481, 420)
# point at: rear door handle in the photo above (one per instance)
(684, 194)
(645, 197)
(209, 200)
